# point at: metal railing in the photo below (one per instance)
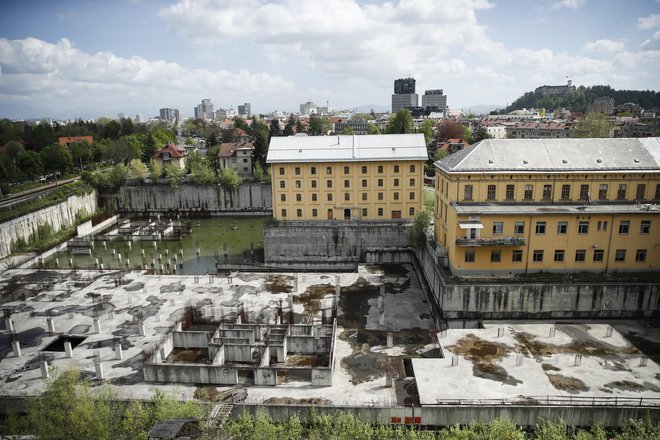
(506, 241)
(558, 401)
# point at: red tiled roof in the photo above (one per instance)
(174, 150)
(227, 149)
(239, 133)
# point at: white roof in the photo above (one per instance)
(385, 147)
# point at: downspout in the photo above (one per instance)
(529, 234)
(609, 244)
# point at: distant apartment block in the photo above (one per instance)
(539, 130)
(308, 108)
(434, 100)
(245, 109)
(358, 125)
(204, 110)
(556, 90)
(170, 114)
(602, 104)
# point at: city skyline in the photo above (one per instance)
(92, 58)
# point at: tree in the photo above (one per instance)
(137, 169)
(440, 154)
(289, 127)
(275, 129)
(212, 140)
(449, 129)
(230, 181)
(127, 126)
(174, 174)
(125, 149)
(156, 170)
(373, 129)
(148, 146)
(56, 157)
(593, 125)
(348, 131)
(299, 127)
(427, 128)
(319, 125)
(258, 173)
(401, 123)
(417, 229)
(30, 163)
(13, 149)
(240, 123)
(261, 143)
(81, 153)
(112, 130)
(202, 173)
(480, 134)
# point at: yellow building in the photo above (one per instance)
(519, 205)
(377, 177)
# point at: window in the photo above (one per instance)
(467, 192)
(641, 192)
(598, 255)
(396, 182)
(297, 171)
(583, 227)
(519, 228)
(347, 197)
(328, 170)
(245, 161)
(395, 195)
(330, 197)
(281, 171)
(380, 169)
(412, 168)
(284, 213)
(645, 227)
(282, 197)
(313, 170)
(380, 182)
(602, 191)
(412, 182)
(411, 211)
(566, 192)
(621, 192)
(328, 183)
(298, 183)
(580, 255)
(346, 170)
(380, 212)
(657, 192)
(490, 195)
(529, 192)
(562, 227)
(495, 256)
(469, 255)
(347, 183)
(282, 184)
(412, 195)
(559, 255)
(380, 196)
(315, 212)
(364, 183)
(298, 212)
(537, 255)
(396, 168)
(313, 183)
(364, 170)
(624, 227)
(640, 255)
(620, 255)
(547, 192)
(364, 197)
(498, 228)
(298, 197)
(540, 227)
(314, 197)
(510, 192)
(605, 226)
(364, 212)
(584, 192)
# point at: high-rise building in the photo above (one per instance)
(204, 110)
(139, 118)
(170, 114)
(434, 100)
(308, 108)
(404, 94)
(245, 109)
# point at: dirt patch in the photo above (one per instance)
(494, 372)
(625, 385)
(565, 383)
(616, 366)
(318, 401)
(354, 303)
(279, 283)
(311, 298)
(174, 287)
(479, 350)
(188, 356)
(365, 367)
(302, 360)
(550, 367)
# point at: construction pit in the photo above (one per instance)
(361, 339)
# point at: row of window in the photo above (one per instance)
(559, 256)
(365, 212)
(347, 170)
(347, 183)
(582, 227)
(347, 196)
(528, 192)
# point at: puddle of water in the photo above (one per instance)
(279, 283)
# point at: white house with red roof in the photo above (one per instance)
(171, 154)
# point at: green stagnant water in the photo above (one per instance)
(214, 237)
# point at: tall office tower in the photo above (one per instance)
(404, 94)
(245, 110)
(434, 100)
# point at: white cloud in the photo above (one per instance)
(649, 22)
(570, 4)
(604, 45)
(651, 44)
(32, 68)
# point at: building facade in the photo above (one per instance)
(347, 177)
(539, 130)
(245, 109)
(434, 100)
(556, 90)
(171, 154)
(602, 104)
(404, 94)
(509, 206)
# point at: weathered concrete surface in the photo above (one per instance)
(324, 245)
(57, 216)
(537, 301)
(193, 198)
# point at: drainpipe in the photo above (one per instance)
(609, 244)
(529, 234)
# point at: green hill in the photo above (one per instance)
(578, 100)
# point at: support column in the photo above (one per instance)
(16, 347)
(45, 373)
(97, 326)
(50, 324)
(68, 349)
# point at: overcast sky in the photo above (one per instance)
(92, 58)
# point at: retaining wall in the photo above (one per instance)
(58, 216)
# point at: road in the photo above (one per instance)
(25, 196)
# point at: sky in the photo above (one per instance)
(89, 58)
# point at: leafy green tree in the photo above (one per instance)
(30, 163)
(261, 142)
(348, 131)
(229, 179)
(37, 137)
(401, 123)
(258, 173)
(156, 170)
(137, 169)
(127, 126)
(240, 123)
(319, 125)
(427, 128)
(212, 140)
(593, 125)
(9, 131)
(148, 146)
(373, 129)
(480, 134)
(81, 153)
(56, 157)
(112, 130)
(13, 149)
(202, 173)
(290, 126)
(440, 154)
(162, 136)
(299, 127)
(417, 229)
(275, 129)
(174, 174)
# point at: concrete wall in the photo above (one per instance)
(193, 198)
(329, 245)
(57, 216)
(537, 301)
(191, 339)
(86, 228)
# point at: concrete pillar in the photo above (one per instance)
(16, 347)
(97, 326)
(388, 380)
(51, 324)
(119, 354)
(141, 329)
(98, 366)
(45, 373)
(68, 349)
(9, 324)
(390, 339)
